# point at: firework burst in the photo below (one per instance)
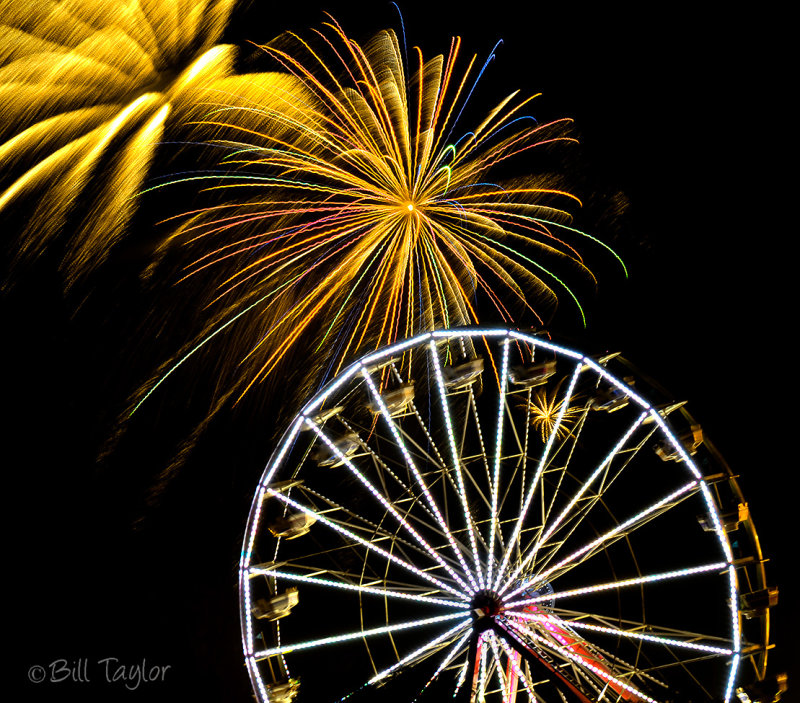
(88, 90)
(544, 407)
(355, 207)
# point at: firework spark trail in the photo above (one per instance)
(356, 199)
(345, 183)
(88, 91)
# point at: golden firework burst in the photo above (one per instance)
(87, 90)
(544, 407)
(361, 205)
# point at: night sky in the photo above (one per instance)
(678, 165)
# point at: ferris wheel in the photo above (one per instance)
(487, 515)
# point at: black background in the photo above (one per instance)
(679, 114)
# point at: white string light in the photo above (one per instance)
(497, 452)
(388, 352)
(540, 469)
(369, 545)
(512, 660)
(569, 654)
(456, 463)
(600, 370)
(310, 644)
(315, 580)
(539, 342)
(718, 566)
(499, 667)
(656, 639)
(584, 487)
(731, 678)
(410, 657)
(604, 538)
(331, 388)
(454, 650)
(386, 504)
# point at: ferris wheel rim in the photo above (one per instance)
(361, 366)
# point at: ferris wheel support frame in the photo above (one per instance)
(485, 623)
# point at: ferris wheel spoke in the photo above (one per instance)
(482, 662)
(382, 467)
(601, 470)
(648, 637)
(625, 583)
(501, 508)
(484, 499)
(570, 441)
(501, 678)
(330, 583)
(649, 671)
(536, 478)
(516, 669)
(355, 522)
(615, 622)
(456, 461)
(462, 677)
(515, 543)
(409, 495)
(583, 664)
(435, 462)
(542, 540)
(452, 653)
(394, 585)
(413, 467)
(367, 544)
(417, 653)
(498, 445)
(622, 531)
(438, 461)
(386, 504)
(522, 443)
(625, 668)
(473, 407)
(575, 520)
(358, 634)
(602, 542)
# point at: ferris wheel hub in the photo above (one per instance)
(486, 603)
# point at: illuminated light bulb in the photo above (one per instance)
(412, 465)
(434, 355)
(516, 669)
(277, 573)
(583, 663)
(657, 639)
(453, 651)
(529, 496)
(604, 538)
(409, 657)
(498, 444)
(383, 501)
(310, 644)
(731, 678)
(717, 566)
(369, 545)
